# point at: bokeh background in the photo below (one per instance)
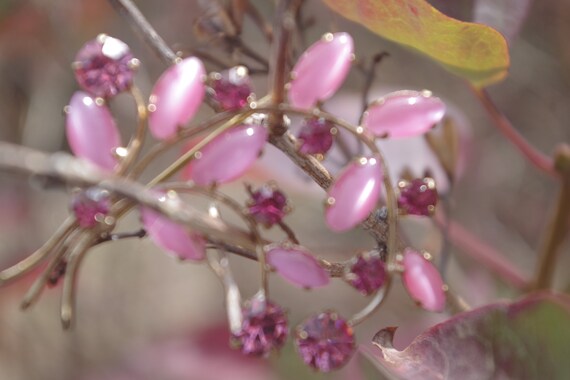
(143, 315)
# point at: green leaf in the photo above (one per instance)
(475, 52)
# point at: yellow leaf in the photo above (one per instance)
(475, 52)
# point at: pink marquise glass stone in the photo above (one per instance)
(316, 136)
(264, 329)
(90, 205)
(354, 194)
(103, 66)
(229, 155)
(321, 70)
(403, 114)
(231, 89)
(296, 265)
(418, 197)
(176, 97)
(367, 274)
(268, 205)
(91, 131)
(423, 282)
(325, 342)
(174, 238)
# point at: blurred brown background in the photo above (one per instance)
(131, 296)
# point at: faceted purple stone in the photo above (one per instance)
(325, 342)
(103, 66)
(367, 275)
(268, 205)
(264, 329)
(316, 136)
(231, 88)
(90, 205)
(418, 197)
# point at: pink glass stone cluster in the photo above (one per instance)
(231, 89)
(316, 136)
(367, 274)
(354, 194)
(268, 205)
(297, 265)
(325, 342)
(91, 131)
(228, 155)
(321, 70)
(90, 206)
(176, 97)
(403, 114)
(418, 197)
(423, 282)
(104, 67)
(264, 329)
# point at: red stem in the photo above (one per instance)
(535, 157)
(485, 254)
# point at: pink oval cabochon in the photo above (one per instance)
(176, 97)
(423, 282)
(298, 266)
(228, 155)
(403, 114)
(356, 192)
(174, 238)
(321, 70)
(91, 131)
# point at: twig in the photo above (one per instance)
(285, 24)
(538, 159)
(62, 167)
(140, 24)
(556, 231)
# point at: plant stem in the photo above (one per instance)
(484, 254)
(535, 157)
(140, 24)
(557, 229)
(285, 24)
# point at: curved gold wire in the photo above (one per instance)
(32, 261)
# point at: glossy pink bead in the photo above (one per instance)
(321, 70)
(91, 131)
(423, 282)
(174, 238)
(403, 114)
(297, 265)
(354, 194)
(229, 155)
(176, 97)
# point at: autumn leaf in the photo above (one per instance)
(529, 339)
(475, 52)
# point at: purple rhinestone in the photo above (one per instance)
(418, 197)
(325, 342)
(367, 275)
(264, 329)
(90, 205)
(103, 66)
(231, 89)
(316, 136)
(268, 205)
